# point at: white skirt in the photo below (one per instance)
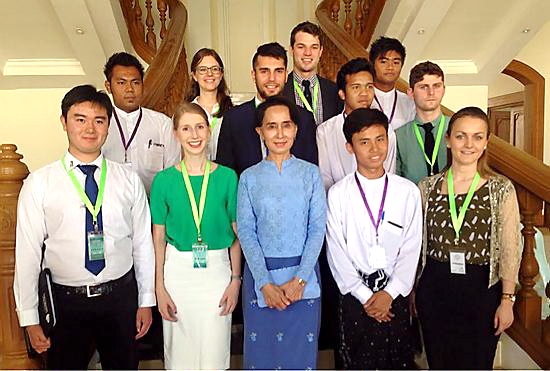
(200, 338)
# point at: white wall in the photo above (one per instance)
(457, 97)
(30, 119)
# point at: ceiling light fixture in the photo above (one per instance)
(421, 31)
(526, 30)
(79, 31)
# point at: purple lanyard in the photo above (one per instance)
(381, 210)
(393, 108)
(121, 132)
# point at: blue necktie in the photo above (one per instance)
(90, 187)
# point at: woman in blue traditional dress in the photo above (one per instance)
(281, 219)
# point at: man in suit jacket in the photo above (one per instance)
(304, 86)
(239, 145)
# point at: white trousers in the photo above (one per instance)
(200, 338)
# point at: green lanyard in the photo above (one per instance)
(214, 123)
(298, 90)
(197, 213)
(93, 209)
(436, 145)
(459, 220)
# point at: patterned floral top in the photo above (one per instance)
(474, 234)
(504, 241)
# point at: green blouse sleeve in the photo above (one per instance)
(158, 205)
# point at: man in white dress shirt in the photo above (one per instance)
(374, 233)
(356, 89)
(91, 217)
(387, 55)
(141, 138)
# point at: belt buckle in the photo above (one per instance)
(89, 294)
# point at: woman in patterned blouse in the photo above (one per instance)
(471, 251)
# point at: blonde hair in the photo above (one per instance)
(187, 107)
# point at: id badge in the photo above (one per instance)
(200, 250)
(96, 250)
(457, 261)
(377, 257)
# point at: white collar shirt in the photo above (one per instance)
(405, 109)
(335, 162)
(215, 132)
(51, 212)
(350, 233)
(153, 148)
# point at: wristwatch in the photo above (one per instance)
(511, 297)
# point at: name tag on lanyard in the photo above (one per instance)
(200, 253)
(377, 257)
(96, 250)
(457, 261)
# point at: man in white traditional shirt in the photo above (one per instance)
(387, 55)
(356, 89)
(91, 218)
(141, 138)
(374, 234)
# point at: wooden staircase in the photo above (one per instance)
(167, 78)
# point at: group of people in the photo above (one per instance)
(356, 206)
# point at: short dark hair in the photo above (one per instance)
(424, 68)
(352, 67)
(274, 50)
(273, 101)
(307, 27)
(86, 93)
(363, 118)
(121, 59)
(383, 45)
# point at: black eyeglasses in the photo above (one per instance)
(215, 70)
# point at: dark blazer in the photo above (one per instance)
(239, 144)
(332, 104)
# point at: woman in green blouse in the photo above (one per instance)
(193, 208)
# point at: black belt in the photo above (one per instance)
(97, 290)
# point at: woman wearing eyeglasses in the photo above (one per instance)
(471, 252)
(209, 90)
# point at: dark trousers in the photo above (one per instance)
(107, 322)
(456, 315)
(366, 344)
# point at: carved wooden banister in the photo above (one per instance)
(13, 353)
(167, 78)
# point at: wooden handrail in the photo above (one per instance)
(530, 176)
(167, 78)
(13, 354)
(520, 167)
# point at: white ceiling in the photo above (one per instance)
(488, 33)
(484, 35)
(54, 33)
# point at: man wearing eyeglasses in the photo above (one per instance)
(140, 138)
